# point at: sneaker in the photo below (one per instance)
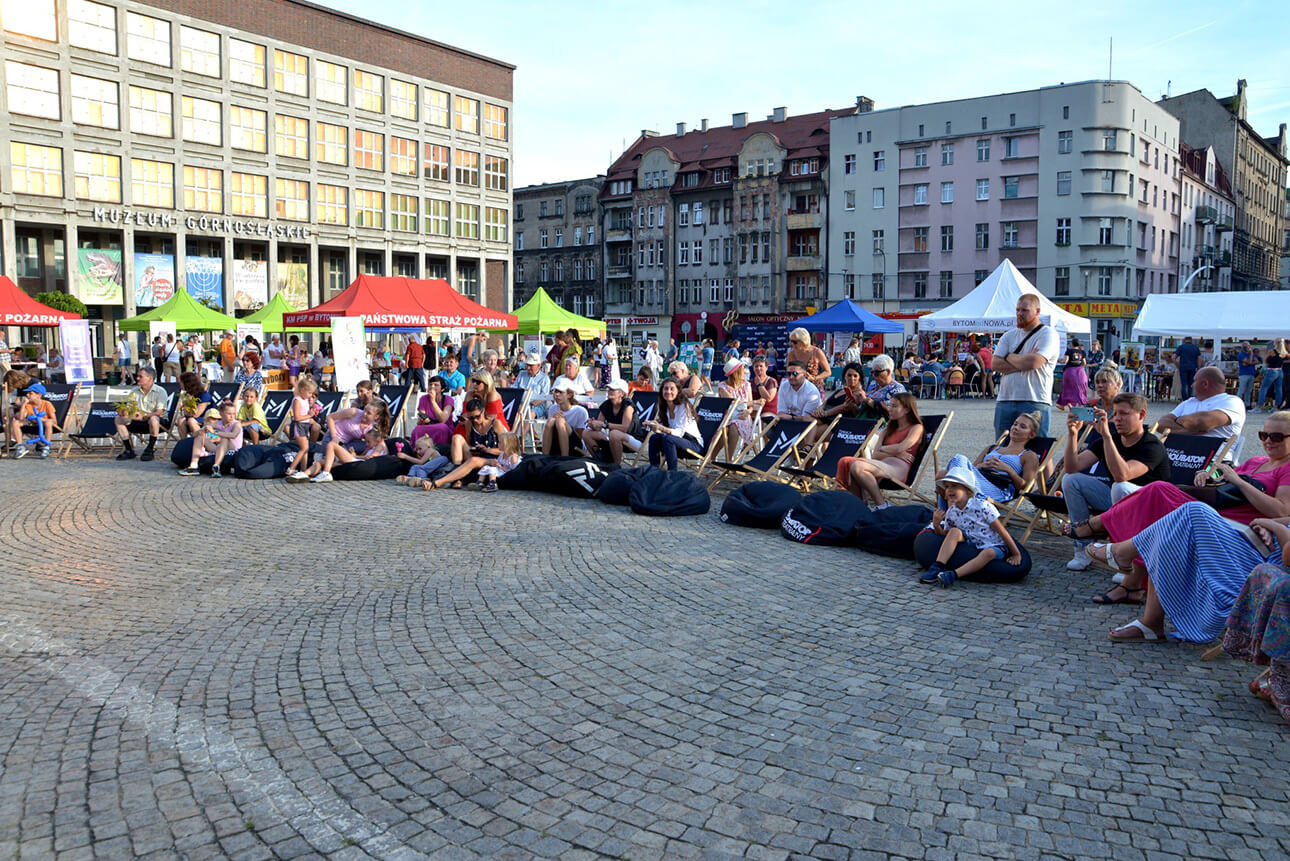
(44, 451)
(931, 575)
(20, 452)
(490, 487)
(190, 470)
(320, 478)
(215, 473)
(147, 454)
(297, 477)
(128, 454)
(946, 578)
(1080, 561)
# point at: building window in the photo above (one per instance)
(849, 200)
(403, 156)
(291, 199)
(147, 39)
(331, 204)
(369, 154)
(1062, 281)
(150, 112)
(403, 213)
(849, 243)
(248, 195)
(245, 62)
(947, 192)
(495, 226)
(90, 25)
(200, 121)
(290, 136)
(947, 153)
(1065, 142)
(495, 173)
(331, 82)
(920, 194)
(542, 238)
(879, 242)
(290, 73)
(1009, 234)
(434, 163)
(980, 275)
(98, 176)
(1011, 187)
(199, 52)
(1063, 231)
(982, 237)
(95, 102)
(983, 189)
(920, 285)
(983, 149)
(436, 219)
(1104, 280)
(947, 238)
(33, 91)
(1063, 182)
(403, 99)
(467, 221)
(369, 92)
(1108, 181)
(920, 239)
(920, 156)
(879, 282)
(467, 167)
(849, 163)
(247, 128)
(466, 113)
(369, 208)
(1108, 142)
(496, 122)
(152, 183)
(436, 107)
(879, 198)
(331, 143)
(203, 189)
(1105, 231)
(947, 285)
(880, 160)
(1011, 147)
(559, 237)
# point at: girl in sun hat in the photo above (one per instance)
(737, 387)
(970, 519)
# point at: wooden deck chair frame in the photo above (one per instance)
(79, 444)
(829, 450)
(929, 453)
(1012, 508)
(518, 421)
(763, 462)
(710, 440)
(398, 416)
(267, 395)
(64, 400)
(171, 432)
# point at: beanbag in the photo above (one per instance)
(578, 477)
(263, 461)
(617, 486)
(828, 517)
(669, 493)
(928, 544)
(891, 532)
(182, 454)
(759, 504)
(384, 467)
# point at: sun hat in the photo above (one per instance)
(563, 386)
(732, 365)
(959, 475)
(617, 385)
(532, 359)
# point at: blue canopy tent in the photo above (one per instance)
(847, 316)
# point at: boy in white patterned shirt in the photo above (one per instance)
(972, 519)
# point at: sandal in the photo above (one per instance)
(430, 485)
(403, 479)
(1130, 596)
(1072, 530)
(1261, 687)
(1144, 635)
(1101, 552)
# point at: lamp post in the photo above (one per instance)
(1192, 277)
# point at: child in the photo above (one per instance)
(970, 519)
(505, 462)
(321, 470)
(35, 412)
(251, 415)
(221, 434)
(425, 459)
(304, 427)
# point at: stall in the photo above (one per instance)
(270, 316)
(401, 303)
(992, 307)
(542, 316)
(185, 312)
(1254, 315)
(19, 309)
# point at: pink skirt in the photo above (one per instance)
(440, 433)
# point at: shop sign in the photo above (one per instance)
(1105, 310)
(614, 322)
(119, 216)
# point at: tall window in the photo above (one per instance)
(879, 242)
(920, 156)
(33, 90)
(495, 122)
(291, 199)
(369, 154)
(983, 189)
(947, 237)
(1063, 231)
(947, 192)
(147, 39)
(982, 236)
(1063, 182)
(35, 169)
(1062, 281)
(849, 163)
(290, 136)
(466, 114)
(879, 285)
(203, 189)
(495, 225)
(199, 51)
(403, 100)
(150, 112)
(331, 143)
(98, 176)
(403, 212)
(247, 128)
(1011, 147)
(920, 285)
(403, 156)
(152, 183)
(1105, 231)
(467, 221)
(920, 194)
(1009, 234)
(245, 62)
(34, 18)
(1104, 281)
(248, 195)
(90, 25)
(983, 149)
(290, 73)
(947, 153)
(495, 177)
(369, 91)
(849, 243)
(920, 239)
(1108, 181)
(369, 208)
(436, 107)
(1011, 187)
(1108, 139)
(467, 167)
(947, 285)
(434, 163)
(437, 214)
(879, 160)
(331, 82)
(1065, 143)
(201, 120)
(331, 204)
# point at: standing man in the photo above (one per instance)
(673, 352)
(123, 358)
(1025, 357)
(170, 353)
(1188, 362)
(227, 356)
(1247, 364)
(415, 357)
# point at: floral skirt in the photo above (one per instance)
(1258, 628)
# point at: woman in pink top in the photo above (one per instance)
(349, 427)
(434, 414)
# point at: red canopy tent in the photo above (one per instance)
(386, 303)
(19, 309)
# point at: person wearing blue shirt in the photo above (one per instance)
(453, 378)
(1247, 365)
(1188, 361)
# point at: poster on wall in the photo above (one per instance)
(293, 283)
(154, 279)
(78, 355)
(205, 279)
(348, 351)
(250, 330)
(99, 279)
(250, 284)
(162, 328)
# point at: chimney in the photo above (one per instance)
(864, 104)
(779, 115)
(680, 129)
(703, 124)
(739, 121)
(1239, 107)
(648, 133)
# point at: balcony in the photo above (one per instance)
(619, 233)
(1206, 215)
(1223, 223)
(805, 263)
(804, 220)
(618, 272)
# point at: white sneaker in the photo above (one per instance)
(320, 477)
(1080, 561)
(297, 477)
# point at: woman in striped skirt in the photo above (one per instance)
(1197, 563)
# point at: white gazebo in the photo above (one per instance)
(1252, 315)
(992, 307)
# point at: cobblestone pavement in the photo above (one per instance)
(204, 668)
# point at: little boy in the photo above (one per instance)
(37, 415)
(971, 519)
(251, 415)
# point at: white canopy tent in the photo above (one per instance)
(992, 307)
(1258, 314)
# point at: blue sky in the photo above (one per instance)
(593, 74)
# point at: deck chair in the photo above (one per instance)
(98, 424)
(277, 409)
(845, 438)
(329, 401)
(934, 428)
(396, 399)
(1191, 453)
(515, 405)
(712, 414)
(221, 392)
(62, 397)
(171, 433)
(1045, 448)
(780, 444)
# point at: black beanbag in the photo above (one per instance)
(182, 455)
(378, 468)
(617, 486)
(928, 544)
(669, 493)
(891, 531)
(262, 461)
(828, 517)
(578, 477)
(759, 504)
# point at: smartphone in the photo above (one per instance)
(1214, 472)
(1084, 414)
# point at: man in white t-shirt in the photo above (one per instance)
(1026, 357)
(1211, 411)
(798, 397)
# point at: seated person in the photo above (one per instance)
(477, 441)
(843, 401)
(320, 471)
(955, 379)
(1134, 459)
(36, 417)
(968, 518)
(892, 458)
(737, 388)
(674, 426)
(644, 381)
(574, 378)
(221, 435)
(882, 387)
(151, 417)
(434, 413)
(564, 420)
(689, 383)
(349, 426)
(255, 424)
(1211, 411)
(798, 397)
(425, 459)
(508, 459)
(613, 425)
(934, 367)
(537, 384)
(191, 388)
(1002, 470)
(765, 388)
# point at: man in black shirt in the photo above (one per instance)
(1135, 458)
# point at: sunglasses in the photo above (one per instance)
(1273, 436)
(795, 374)
(473, 417)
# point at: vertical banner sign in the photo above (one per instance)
(154, 279)
(78, 357)
(250, 329)
(99, 276)
(251, 284)
(162, 328)
(532, 344)
(349, 352)
(205, 276)
(293, 283)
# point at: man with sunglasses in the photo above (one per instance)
(1210, 411)
(798, 397)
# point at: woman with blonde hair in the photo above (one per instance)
(801, 349)
(736, 387)
(481, 386)
(1003, 470)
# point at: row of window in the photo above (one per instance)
(544, 237)
(37, 169)
(580, 269)
(93, 26)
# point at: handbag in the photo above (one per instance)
(997, 477)
(1225, 495)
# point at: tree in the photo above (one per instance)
(63, 302)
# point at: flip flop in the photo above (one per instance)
(1127, 598)
(1147, 635)
(1101, 552)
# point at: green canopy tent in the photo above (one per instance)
(541, 315)
(185, 312)
(270, 316)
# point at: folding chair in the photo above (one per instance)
(62, 397)
(781, 443)
(1045, 448)
(277, 409)
(396, 399)
(515, 405)
(171, 432)
(712, 414)
(845, 438)
(98, 423)
(221, 392)
(928, 379)
(934, 428)
(329, 401)
(1192, 453)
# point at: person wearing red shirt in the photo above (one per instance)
(415, 358)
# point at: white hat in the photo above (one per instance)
(732, 365)
(564, 386)
(959, 475)
(618, 385)
(533, 359)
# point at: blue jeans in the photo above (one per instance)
(1006, 412)
(1186, 378)
(1271, 382)
(1243, 390)
(663, 446)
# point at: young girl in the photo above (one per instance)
(425, 459)
(321, 470)
(565, 417)
(304, 424)
(675, 426)
(223, 434)
(251, 414)
(477, 447)
(891, 459)
(972, 519)
(506, 461)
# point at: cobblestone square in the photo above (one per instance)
(221, 668)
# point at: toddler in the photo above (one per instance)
(221, 433)
(505, 462)
(304, 425)
(425, 459)
(969, 519)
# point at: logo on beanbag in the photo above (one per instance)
(796, 530)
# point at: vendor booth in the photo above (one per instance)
(992, 307)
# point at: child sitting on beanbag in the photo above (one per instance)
(970, 518)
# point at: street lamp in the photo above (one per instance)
(1192, 277)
